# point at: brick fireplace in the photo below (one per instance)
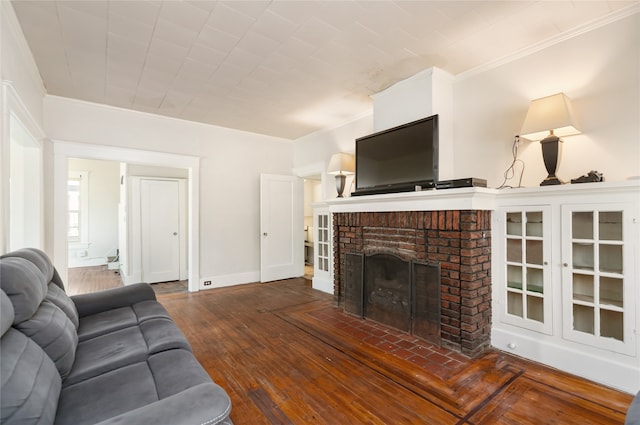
(458, 241)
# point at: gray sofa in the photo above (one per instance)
(633, 414)
(113, 357)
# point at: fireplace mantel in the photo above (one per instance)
(469, 198)
(477, 198)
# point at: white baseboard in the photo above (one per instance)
(229, 280)
(75, 262)
(611, 369)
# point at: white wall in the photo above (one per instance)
(230, 167)
(599, 70)
(103, 196)
(318, 148)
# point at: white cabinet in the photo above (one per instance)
(526, 268)
(597, 263)
(323, 250)
(565, 279)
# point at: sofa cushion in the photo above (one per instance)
(119, 318)
(633, 414)
(107, 352)
(106, 322)
(124, 347)
(57, 296)
(162, 334)
(52, 330)
(154, 391)
(29, 381)
(25, 286)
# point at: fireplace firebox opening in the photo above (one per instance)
(396, 292)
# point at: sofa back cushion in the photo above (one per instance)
(25, 286)
(57, 296)
(52, 330)
(39, 319)
(29, 381)
(41, 261)
(55, 292)
(6, 313)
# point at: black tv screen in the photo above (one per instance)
(398, 159)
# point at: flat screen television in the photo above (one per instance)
(398, 159)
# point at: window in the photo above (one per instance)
(77, 206)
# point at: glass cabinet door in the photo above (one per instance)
(323, 240)
(595, 266)
(528, 292)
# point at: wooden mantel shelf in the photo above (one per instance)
(471, 198)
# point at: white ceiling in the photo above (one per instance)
(280, 68)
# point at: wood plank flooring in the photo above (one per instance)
(82, 280)
(286, 355)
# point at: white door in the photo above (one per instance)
(281, 227)
(160, 224)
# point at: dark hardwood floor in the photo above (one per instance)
(286, 355)
(82, 280)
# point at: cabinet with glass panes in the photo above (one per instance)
(323, 239)
(596, 264)
(527, 291)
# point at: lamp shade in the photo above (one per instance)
(550, 114)
(341, 163)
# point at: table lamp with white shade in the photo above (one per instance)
(341, 164)
(548, 119)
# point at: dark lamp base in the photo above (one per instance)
(551, 180)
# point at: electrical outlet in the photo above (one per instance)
(207, 282)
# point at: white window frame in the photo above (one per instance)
(83, 237)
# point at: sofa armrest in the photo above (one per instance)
(203, 404)
(633, 414)
(97, 302)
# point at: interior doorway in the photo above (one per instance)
(187, 165)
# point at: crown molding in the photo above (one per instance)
(567, 35)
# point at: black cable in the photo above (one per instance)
(511, 171)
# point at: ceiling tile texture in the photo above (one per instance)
(279, 68)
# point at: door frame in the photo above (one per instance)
(63, 150)
(315, 169)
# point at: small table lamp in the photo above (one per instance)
(340, 165)
(553, 115)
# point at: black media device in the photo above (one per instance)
(400, 159)
(468, 182)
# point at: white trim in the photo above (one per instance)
(63, 150)
(608, 370)
(567, 35)
(316, 169)
(83, 176)
(12, 106)
(15, 105)
(230, 279)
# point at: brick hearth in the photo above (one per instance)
(459, 240)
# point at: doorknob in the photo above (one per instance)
(175, 233)
(265, 234)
